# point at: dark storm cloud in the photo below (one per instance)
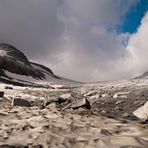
(30, 25)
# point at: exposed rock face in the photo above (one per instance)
(14, 61)
(9, 51)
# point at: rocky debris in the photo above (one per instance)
(70, 101)
(142, 112)
(20, 102)
(1, 94)
(68, 118)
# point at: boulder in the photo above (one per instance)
(20, 102)
(81, 103)
(142, 112)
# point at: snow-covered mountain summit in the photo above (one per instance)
(15, 68)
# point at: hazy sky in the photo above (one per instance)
(85, 40)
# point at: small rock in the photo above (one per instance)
(81, 103)
(1, 94)
(8, 87)
(104, 95)
(20, 102)
(142, 112)
(65, 96)
(91, 93)
(93, 99)
(105, 132)
(125, 115)
(103, 111)
(119, 101)
(115, 96)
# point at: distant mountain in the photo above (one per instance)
(144, 75)
(15, 68)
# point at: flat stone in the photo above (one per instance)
(20, 102)
(91, 93)
(81, 103)
(142, 112)
(65, 96)
(125, 115)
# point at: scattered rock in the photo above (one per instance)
(65, 96)
(142, 112)
(81, 103)
(125, 115)
(119, 95)
(93, 99)
(20, 102)
(1, 94)
(104, 95)
(105, 132)
(91, 93)
(115, 96)
(119, 101)
(61, 103)
(8, 87)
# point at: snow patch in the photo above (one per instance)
(3, 53)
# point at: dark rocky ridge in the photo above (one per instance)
(14, 61)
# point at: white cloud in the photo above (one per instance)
(76, 38)
(137, 49)
(91, 48)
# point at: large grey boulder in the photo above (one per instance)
(142, 112)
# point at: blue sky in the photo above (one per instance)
(134, 16)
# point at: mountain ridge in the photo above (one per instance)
(15, 68)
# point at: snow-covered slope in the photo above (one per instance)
(16, 69)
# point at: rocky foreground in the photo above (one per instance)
(95, 115)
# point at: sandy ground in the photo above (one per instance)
(109, 123)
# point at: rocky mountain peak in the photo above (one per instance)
(9, 51)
